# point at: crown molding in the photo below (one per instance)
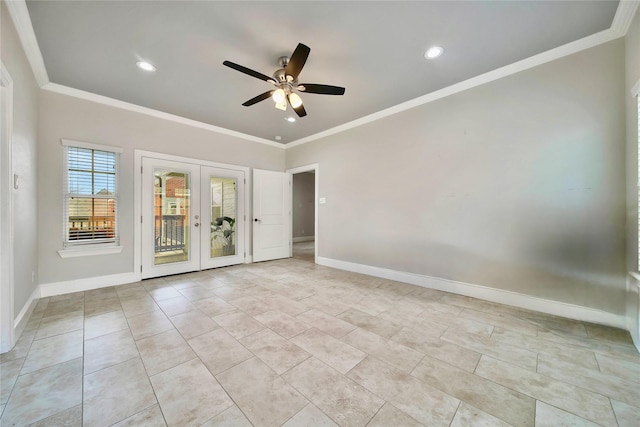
(22, 21)
(624, 16)
(104, 100)
(525, 64)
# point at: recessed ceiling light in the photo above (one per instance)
(433, 52)
(145, 66)
(278, 137)
(290, 119)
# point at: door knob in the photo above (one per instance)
(256, 220)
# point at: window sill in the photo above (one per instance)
(85, 251)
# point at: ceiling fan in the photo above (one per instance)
(285, 79)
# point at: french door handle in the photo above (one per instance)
(256, 220)
(197, 224)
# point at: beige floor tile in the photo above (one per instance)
(193, 323)
(189, 395)
(391, 352)
(377, 325)
(238, 324)
(278, 353)
(419, 400)
(627, 415)
(116, 393)
(136, 306)
(43, 393)
(163, 351)
(213, 306)
(340, 356)
(563, 352)
(586, 404)
(550, 416)
(53, 350)
(506, 404)
(107, 305)
(131, 291)
(146, 325)
(327, 323)
(454, 321)
(282, 323)
(619, 351)
(150, 417)
(251, 305)
(71, 417)
(619, 368)
(427, 327)
(21, 349)
(219, 351)
(347, 403)
(505, 352)
(108, 350)
(389, 415)
(60, 324)
(608, 385)
(264, 397)
(9, 372)
(166, 292)
(506, 322)
(232, 417)
(467, 416)
(330, 307)
(608, 333)
(197, 293)
(103, 324)
(176, 305)
(435, 347)
(310, 416)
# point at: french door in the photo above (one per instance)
(192, 217)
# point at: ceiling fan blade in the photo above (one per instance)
(321, 89)
(300, 111)
(258, 98)
(248, 71)
(298, 58)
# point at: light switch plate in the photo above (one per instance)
(322, 200)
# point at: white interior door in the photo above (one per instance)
(223, 217)
(170, 217)
(271, 215)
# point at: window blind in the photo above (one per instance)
(91, 197)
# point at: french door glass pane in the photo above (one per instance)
(223, 217)
(171, 216)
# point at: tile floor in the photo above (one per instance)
(294, 344)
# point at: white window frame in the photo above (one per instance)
(88, 248)
(635, 92)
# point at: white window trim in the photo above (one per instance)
(88, 248)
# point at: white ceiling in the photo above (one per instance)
(374, 49)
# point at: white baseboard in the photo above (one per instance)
(23, 317)
(304, 239)
(633, 307)
(500, 296)
(248, 259)
(79, 285)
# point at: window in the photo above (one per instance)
(91, 194)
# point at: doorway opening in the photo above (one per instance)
(304, 216)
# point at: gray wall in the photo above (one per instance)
(24, 140)
(303, 204)
(63, 116)
(632, 76)
(517, 184)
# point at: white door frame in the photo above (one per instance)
(7, 327)
(137, 205)
(315, 167)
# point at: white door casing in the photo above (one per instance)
(271, 215)
(7, 332)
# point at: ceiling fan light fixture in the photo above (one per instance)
(433, 52)
(295, 100)
(279, 96)
(143, 65)
(281, 105)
